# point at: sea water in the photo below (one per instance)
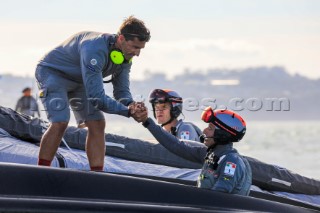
(294, 145)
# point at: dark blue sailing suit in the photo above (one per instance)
(186, 131)
(223, 168)
(72, 75)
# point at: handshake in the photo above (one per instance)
(138, 111)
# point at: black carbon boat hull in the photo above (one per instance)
(40, 189)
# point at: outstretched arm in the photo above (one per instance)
(92, 63)
(189, 150)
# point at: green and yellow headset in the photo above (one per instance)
(116, 55)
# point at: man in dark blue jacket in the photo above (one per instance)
(223, 168)
(27, 104)
(72, 75)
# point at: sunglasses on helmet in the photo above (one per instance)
(161, 96)
(158, 96)
(208, 115)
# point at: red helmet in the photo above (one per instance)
(230, 127)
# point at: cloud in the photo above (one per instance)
(207, 45)
(23, 43)
(173, 57)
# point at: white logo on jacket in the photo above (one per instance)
(93, 61)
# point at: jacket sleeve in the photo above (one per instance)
(92, 63)
(228, 174)
(192, 151)
(121, 85)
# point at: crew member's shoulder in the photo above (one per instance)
(233, 156)
(189, 125)
(91, 39)
(186, 124)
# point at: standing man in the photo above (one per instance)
(167, 107)
(224, 169)
(27, 104)
(72, 75)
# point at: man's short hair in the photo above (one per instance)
(26, 89)
(133, 27)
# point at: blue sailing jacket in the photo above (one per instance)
(223, 168)
(84, 58)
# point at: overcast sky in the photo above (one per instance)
(198, 35)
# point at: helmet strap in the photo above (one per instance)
(169, 121)
(154, 111)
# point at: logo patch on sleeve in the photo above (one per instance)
(185, 135)
(93, 62)
(230, 168)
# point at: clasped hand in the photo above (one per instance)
(138, 111)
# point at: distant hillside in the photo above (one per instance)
(256, 93)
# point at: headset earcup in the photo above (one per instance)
(116, 57)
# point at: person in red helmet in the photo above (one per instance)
(224, 169)
(167, 107)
